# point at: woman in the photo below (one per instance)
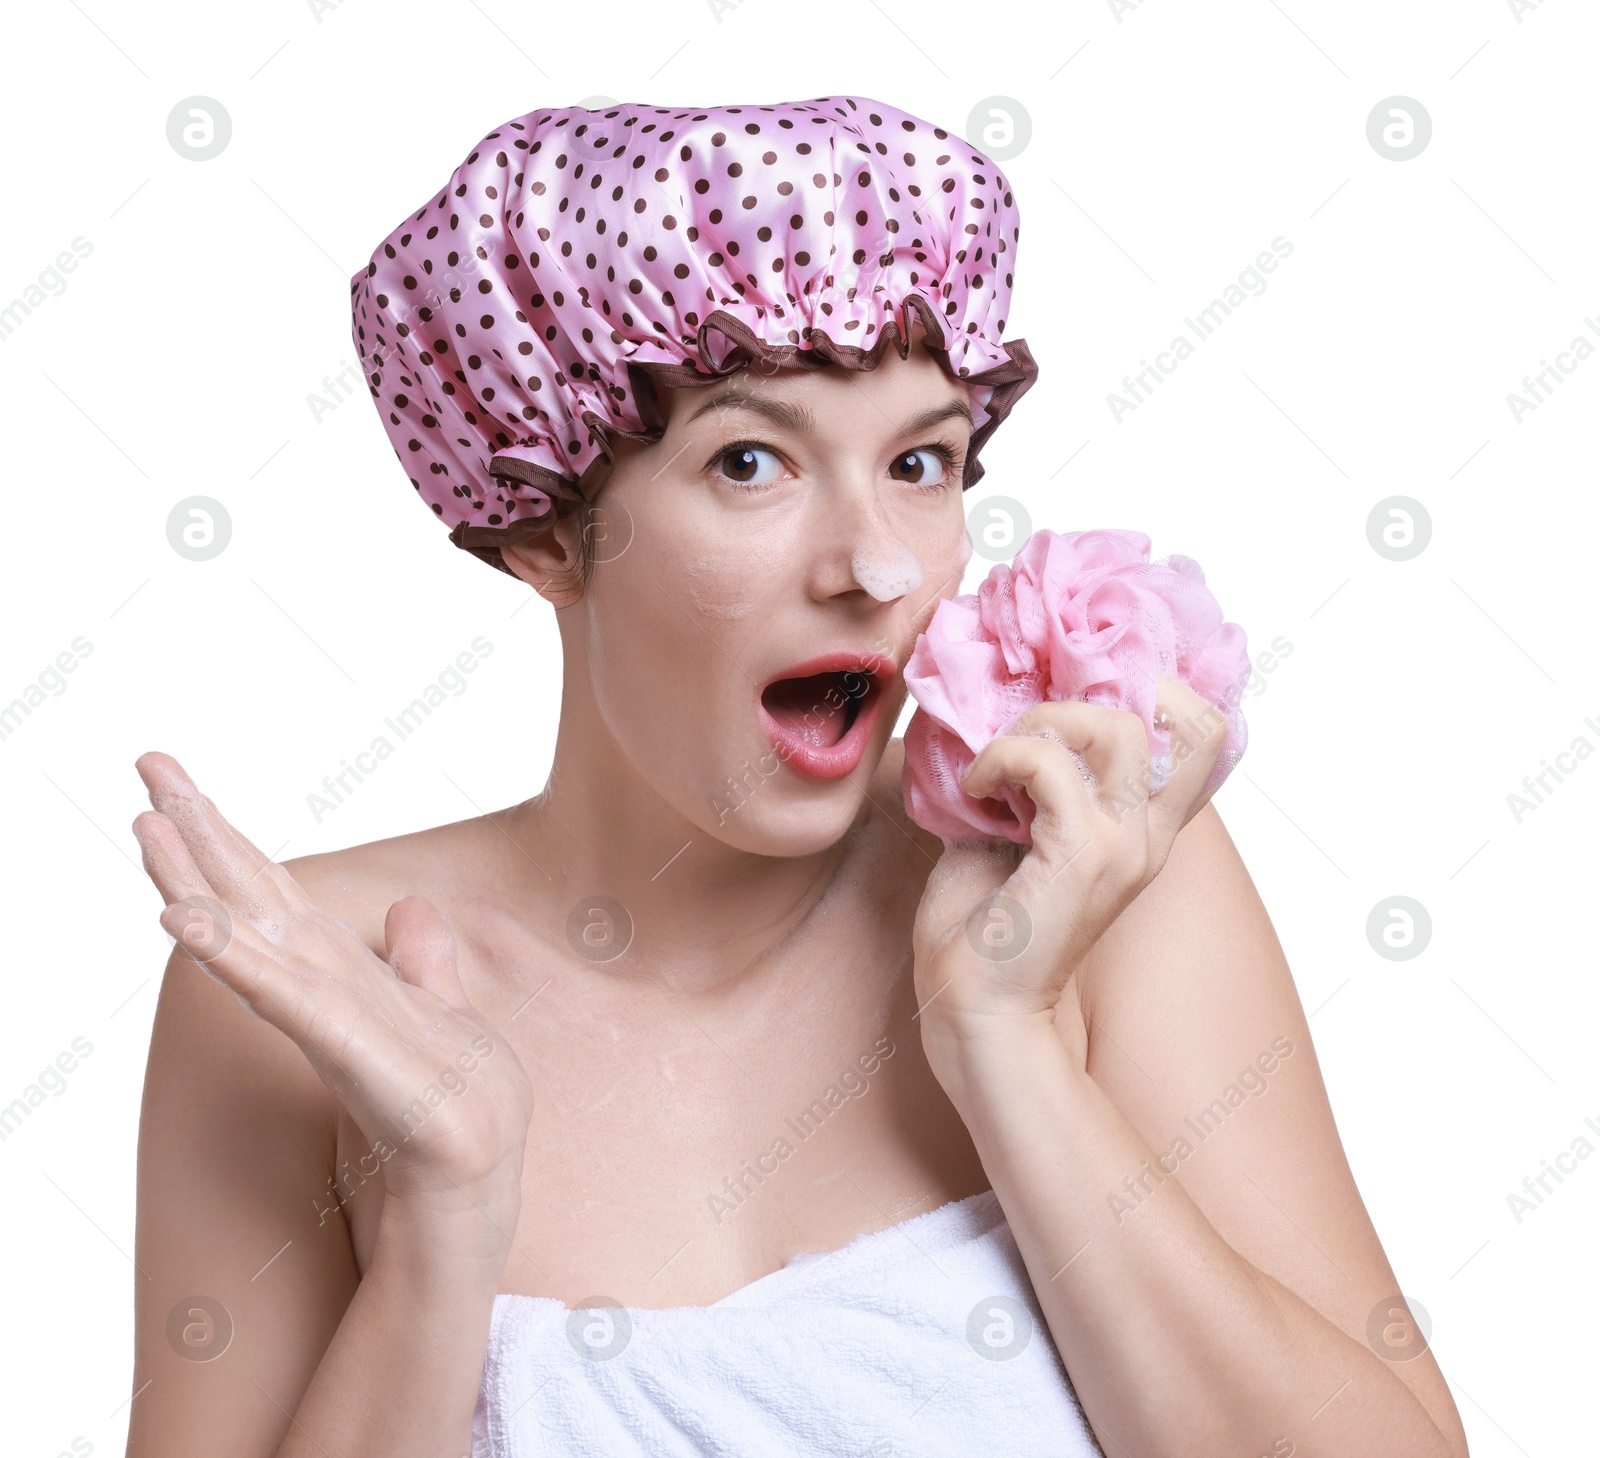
(711, 383)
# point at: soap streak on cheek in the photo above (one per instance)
(711, 588)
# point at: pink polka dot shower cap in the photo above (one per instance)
(518, 318)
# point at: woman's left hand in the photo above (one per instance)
(1002, 927)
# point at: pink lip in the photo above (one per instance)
(835, 761)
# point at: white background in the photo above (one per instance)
(1169, 146)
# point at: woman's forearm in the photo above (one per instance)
(1176, 1344)
(400, 1378)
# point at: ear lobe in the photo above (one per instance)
(547, 563)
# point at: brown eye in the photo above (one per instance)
(744, 465)
(918, 468)
(740, 465)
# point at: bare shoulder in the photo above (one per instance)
(359, 883)
(1197, 1034)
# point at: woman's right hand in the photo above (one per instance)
(436, 1090)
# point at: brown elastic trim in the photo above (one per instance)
(485, 542)
(1010, 381)
(516, 469)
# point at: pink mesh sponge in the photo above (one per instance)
(1083, 616)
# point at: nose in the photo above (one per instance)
(887, 570)
(864, 550)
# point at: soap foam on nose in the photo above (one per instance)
(891, 576)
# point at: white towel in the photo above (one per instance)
(922, 1339)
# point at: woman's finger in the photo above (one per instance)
(1112, 743)
(1198, 730)
(422, 950)
(1065, 814)
(196, 918)
(167, 860)
(319, 1007)
(235, 867)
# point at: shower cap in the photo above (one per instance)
(1086, 616)
(524, 314)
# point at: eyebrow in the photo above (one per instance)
(800, 417)
(950, 410)
(790, 417)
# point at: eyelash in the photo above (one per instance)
(944, 452)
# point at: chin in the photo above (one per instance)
(772, 808)
(797, 821)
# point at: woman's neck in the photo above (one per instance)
(702, 913)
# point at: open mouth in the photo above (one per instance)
(820, 722)
(818, 710)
